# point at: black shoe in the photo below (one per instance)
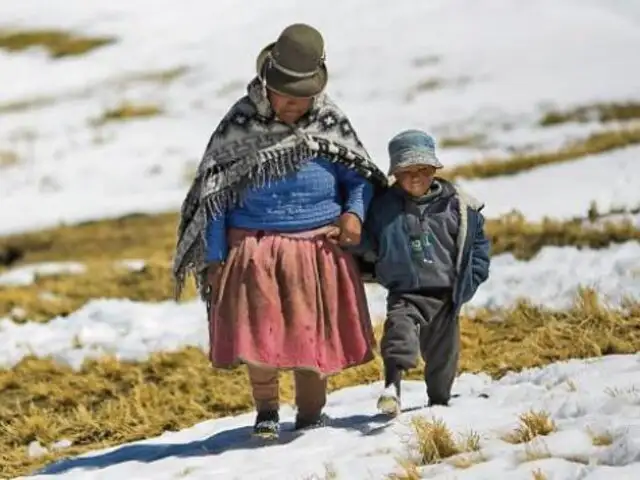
(303, 423)
(267, 424)
(442, 403)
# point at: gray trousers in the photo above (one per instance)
(425, 324)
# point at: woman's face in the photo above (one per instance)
(289, 109)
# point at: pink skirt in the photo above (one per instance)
(290, 302)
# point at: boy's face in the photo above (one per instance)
(416, 179)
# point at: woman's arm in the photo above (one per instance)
(358, 191)
(217, 247)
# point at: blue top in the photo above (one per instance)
(314, 196)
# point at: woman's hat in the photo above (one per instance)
(294, 64)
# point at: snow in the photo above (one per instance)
(80, 171)
(26, 274)
(583, 398)
(564, 190)
(502, 63)
(133, 330)
(553, 275)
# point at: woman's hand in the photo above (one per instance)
(214, 273)
(350, 229)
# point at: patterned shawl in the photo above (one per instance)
(250, 148)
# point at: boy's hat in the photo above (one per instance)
(412, 147)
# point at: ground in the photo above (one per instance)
(103, 117)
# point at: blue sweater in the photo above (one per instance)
(313, 197)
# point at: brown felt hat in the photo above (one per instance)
(294, 64)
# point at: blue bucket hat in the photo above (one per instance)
(412, 147)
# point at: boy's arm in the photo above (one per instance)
(481, 255)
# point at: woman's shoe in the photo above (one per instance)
(267, 425)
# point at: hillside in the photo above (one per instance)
(105, 110)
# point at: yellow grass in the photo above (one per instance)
(600, 112)
(152, 238)
(110, 402)
(128, 111)
(538, 475)
(532, 424)
(58, 43)
(600, 142)
(8, 158)
(160, 77)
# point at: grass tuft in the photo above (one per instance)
(128, 111)
(432, 84)
(58, 43)
(538, 475)
(600, 112)
(596, 143)
(8, 159)
(600, 439)
(471, 140)
(532, 424)
(432, 440)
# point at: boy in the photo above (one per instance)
(431, 254)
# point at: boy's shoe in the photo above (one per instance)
(433, 403)
(389, 401)
(267, 425)
(303, 423)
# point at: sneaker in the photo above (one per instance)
(267, 425)
(303, 423)
(389, 401)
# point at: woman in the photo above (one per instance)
(283, 185)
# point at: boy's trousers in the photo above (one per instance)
(423, 323)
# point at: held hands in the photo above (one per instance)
(350, 229)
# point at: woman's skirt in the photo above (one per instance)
(290, 301)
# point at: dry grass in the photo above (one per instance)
(8, 158)
(538, 475)
(159, 77)
(600, 112)
(432, 84)
(329, 474)
(152, 238)
(58, 43)
(600, 439)
(596, 143)
(471, 140)
(128, 111)
(431, 442)
(532, 424)
(109, 402)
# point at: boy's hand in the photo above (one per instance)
(350, 229)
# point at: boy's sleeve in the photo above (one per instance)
(217, 247)
(481, 258)
(357, 189)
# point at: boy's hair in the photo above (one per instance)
(412, 147)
